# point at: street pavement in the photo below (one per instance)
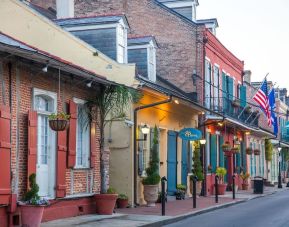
(271, 211)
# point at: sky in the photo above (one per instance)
(256, 31)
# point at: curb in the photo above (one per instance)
(206, 210)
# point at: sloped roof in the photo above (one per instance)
(140, 40)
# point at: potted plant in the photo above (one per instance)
(105, 202)
(151, 182)
(181, 192)
(59, 121)
(256, 152)
(245, 177)
(197, 171)
(249, 150)
(221, 173)
(122, 201)
(226, 146)
(210, 168)
(32, 206)
(236, 103)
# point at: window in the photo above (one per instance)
(208, 84)
(82, 136)
(121, 44)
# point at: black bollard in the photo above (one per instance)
(233, 187)
(216, 189)
(195, 191)
(163, 195)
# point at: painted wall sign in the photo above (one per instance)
(190, 134)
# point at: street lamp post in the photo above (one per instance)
(279, 166)
(204, 161)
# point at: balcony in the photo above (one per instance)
(235, 110)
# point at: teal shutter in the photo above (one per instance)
(221, 153)
(224, 91)
(243, 95)
(244, 157)
(213, 152)
(238, 161)
(230, 88)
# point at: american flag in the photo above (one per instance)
(261, 97)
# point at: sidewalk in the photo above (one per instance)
(151, 216)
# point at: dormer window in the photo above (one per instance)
(142, 52)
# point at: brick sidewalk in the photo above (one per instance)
(177, 207)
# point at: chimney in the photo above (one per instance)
(247, 76)
(65, 8)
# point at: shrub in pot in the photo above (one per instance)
(249, 150)
(226, 146)
(245, 177)
(197, 171)
(151, 182)
(105, 202)
(122, 201)
(32, 206)
(59, 121)
(221, 173)
(181, 192)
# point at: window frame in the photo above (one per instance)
(121, 44)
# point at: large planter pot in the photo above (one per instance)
(151, 194)
(199, 187)
(31, 216)
(222, 189)
(58, 124)
(122, 203)
(245, 186)
(105, 203)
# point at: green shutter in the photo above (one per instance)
(238, 161)
(243, 95)
(244, 157)
(230, 88)
(213, 144)
(221, 153)
(224, 92)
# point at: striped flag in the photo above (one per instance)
(261, 97)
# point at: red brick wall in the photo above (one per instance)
(24, 78)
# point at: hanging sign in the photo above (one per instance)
(190, 134)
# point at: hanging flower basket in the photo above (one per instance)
(249, 150)
(256, 152)
(59, 122)
(236, 103)
(235, 149)
(248, 110)
(226, 146)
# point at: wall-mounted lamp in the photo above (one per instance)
(145, 131)
(203, 141)
(279, 147)
(45, 68)
(217, 132)
(247, 133)
(89, 84)
(177, 102)
(220, 124)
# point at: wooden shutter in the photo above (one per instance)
(213, 144)
(243, 91)
(230, 88)
(93, 144)
(221, 153)
(32, 143)
(224, 88)
(5, 151)
(72, 134)
(61, 164)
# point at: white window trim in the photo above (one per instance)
(208, 59)
(81, 102)
(118, 43)
(50, 94)
(151, 50)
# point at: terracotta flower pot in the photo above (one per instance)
(58, 124)
(199, 187)
(222, 189)
(31, 215)
(151, 194)
(105, 203)
(122, 203)
(245, 186)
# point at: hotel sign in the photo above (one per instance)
(190, 134)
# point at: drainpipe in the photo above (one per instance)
(135, 141)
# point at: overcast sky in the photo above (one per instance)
(256, 31)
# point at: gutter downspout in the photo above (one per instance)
(135, 166)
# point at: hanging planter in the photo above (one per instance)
(249, 150)
(256, 152)
(236, 149)
(226, 146)
(248, 110)
(59, 122)
(236, 103)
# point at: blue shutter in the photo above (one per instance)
(213, 144)
(224, 92)
(221, 153)
(230, 88)
(184, 161)
(244, 157)
(243, 95)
